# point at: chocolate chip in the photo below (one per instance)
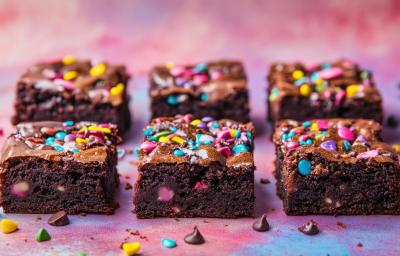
(265, 181)
(392, 121)
(261, 225)
(59, 219)
(195, 237)
(310, 228)
(128, 186)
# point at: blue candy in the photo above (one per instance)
(148, 131)
(347, 145)
(215, 125)
(172, 100)
(204, 139)
(291, 134)
(179, 152)
(304, 167)
(75, 150)
(309, 141)
(50, 141)
(61, 135)
(68, 123)
(203, 96)
(200, 68)
(284, 136)
(307, 124)
(58, 148)
(168, 243)
(240, 148)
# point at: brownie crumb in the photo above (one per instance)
(360, 245)
(128, 186)
(206, 221)
(265, 181)
(135, 233)
(392, 121)
(310, 228)
(83, 214)
(341, 225)
(177, 220)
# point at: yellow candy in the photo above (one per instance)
(164, 139)
(352, 90)
(305, 90)
(396, 148)
(80, 140)
(170, 65)
(297, 74)
(131, 248)
(178, 140)
(117, 90)
(70, 75)
(8, 226)
(314, 127)
(100, 129)
(98, 70)
(232, 132)
(196, 122)
(68, 60)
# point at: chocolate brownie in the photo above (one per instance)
(336, 167)
(195, 168)
(71, 89)
(217, 89)
(50, 166)
(332, 90)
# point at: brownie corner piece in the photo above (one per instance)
(336, 167)
(195, 168)
(48, 166)
(217, 89)
(340, 89)
(73, 89)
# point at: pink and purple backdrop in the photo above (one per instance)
(144, 33)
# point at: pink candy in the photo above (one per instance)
(177, 71)
(225, 134)
(148, 146)
(200, 79)
(66, 84)
(187, 118)
(368, 154)
(165, 194)
(345, 133)
(292, 145)
(339, 97)
(225, 152)
(304, 137)
(322, 124)
(330, 73)
(200, 185)
(216, 75)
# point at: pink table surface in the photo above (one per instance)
(144, 33)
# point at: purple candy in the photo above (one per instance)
(69, 138)
(329, 145)
(207, 119)
(368, 154)
(202, 125)
(362, 139)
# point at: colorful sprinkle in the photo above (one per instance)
(346, 134)
(329, 145)
(304, 167)
(330, 73)
(98, 70)
(368, 154)
(8, 226)
(131, 248)
(179, 152)
(347, 145)
(168, 243)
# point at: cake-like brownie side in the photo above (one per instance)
(195, 168)
(339, 89)
(336, 167)
(71, 89)
(217, 89)
(48, 166)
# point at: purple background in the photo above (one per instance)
(145, 33)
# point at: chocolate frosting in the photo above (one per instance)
(185, 139)
(329, 81)
(220, 79)
(83, 84)
(84, 142)
(347, 140)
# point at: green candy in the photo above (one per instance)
(42, 235)
(158, 135)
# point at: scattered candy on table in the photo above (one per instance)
(195, 237)
(42, 235)
(168, 243)
(131, 248)
(8, 226)
(261, 224)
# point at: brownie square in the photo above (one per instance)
(71, 89)
(336, 167)
(50, 166)
(217, 89)
(195, 168)
(339, 89)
